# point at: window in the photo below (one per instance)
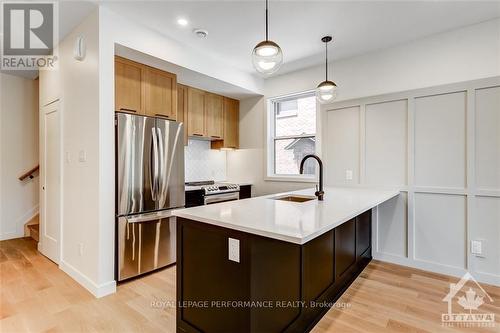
(292, 135)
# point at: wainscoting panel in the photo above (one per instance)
(393, 228)
(440, 140)
(343, 125)
(488, 138)
(440, 146)
(386, 143)
(487, 229)
(440, 229)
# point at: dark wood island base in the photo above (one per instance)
(276, 286)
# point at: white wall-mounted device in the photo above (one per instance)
(80, 48)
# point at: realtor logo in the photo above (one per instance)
(29, 35)
(470, 300)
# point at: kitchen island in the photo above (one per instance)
(271, 264)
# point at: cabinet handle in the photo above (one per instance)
(215, 136)
(128, 110)
(162, 115)
(196, 134)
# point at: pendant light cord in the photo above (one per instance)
(326, 61)
(267, 34)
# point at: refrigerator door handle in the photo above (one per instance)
(154, 176)
(147, 217)
(161, 165)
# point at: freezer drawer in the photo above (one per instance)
(144, 244)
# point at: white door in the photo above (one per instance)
(50, 222)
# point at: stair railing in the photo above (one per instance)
(30, 173)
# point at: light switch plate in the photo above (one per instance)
(476, 247)
(348, 175)
(234, 249)
(82, 156)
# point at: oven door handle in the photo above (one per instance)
(210, 199)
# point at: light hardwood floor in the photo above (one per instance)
(35, 296)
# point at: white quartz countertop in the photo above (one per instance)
(293, 222)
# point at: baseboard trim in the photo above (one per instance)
(436, 268)
(487, 278)
(98, 290)
(12, 235)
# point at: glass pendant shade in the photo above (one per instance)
(267, 57)
(326, 91)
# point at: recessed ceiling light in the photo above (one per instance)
(182, 21)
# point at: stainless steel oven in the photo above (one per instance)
(221, 197)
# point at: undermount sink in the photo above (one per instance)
(294, 198)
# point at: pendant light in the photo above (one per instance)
(267, 56)
(326, 90)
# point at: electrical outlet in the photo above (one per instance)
(234, 249)
(348, 175)
(80, 249)
(68, 157)
(476, 247)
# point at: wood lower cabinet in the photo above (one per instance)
(129, 77)
(160, 90)
(196, 115)
(182, 102)
(231, 119)
(214, 116)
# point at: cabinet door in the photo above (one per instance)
(182, 108)
(231, 120)
(345, 247)
(160, 93)
(128, 86)
(213, 114)
(231, 123)
(196, 114)
(363, 232)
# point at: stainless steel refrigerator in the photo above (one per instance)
(149, 184)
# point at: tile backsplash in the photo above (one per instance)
(203, 163)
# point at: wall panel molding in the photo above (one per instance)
(473, 223)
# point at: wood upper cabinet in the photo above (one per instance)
(214, 116)
(129, 78)
(144, 90)
(196, 112)
(160, 90)
(182, 103)
(231, 116)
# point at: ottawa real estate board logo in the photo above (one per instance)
(29, 34)
(464, 302)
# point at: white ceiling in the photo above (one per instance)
(297, 26)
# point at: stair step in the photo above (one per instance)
(34, 231)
